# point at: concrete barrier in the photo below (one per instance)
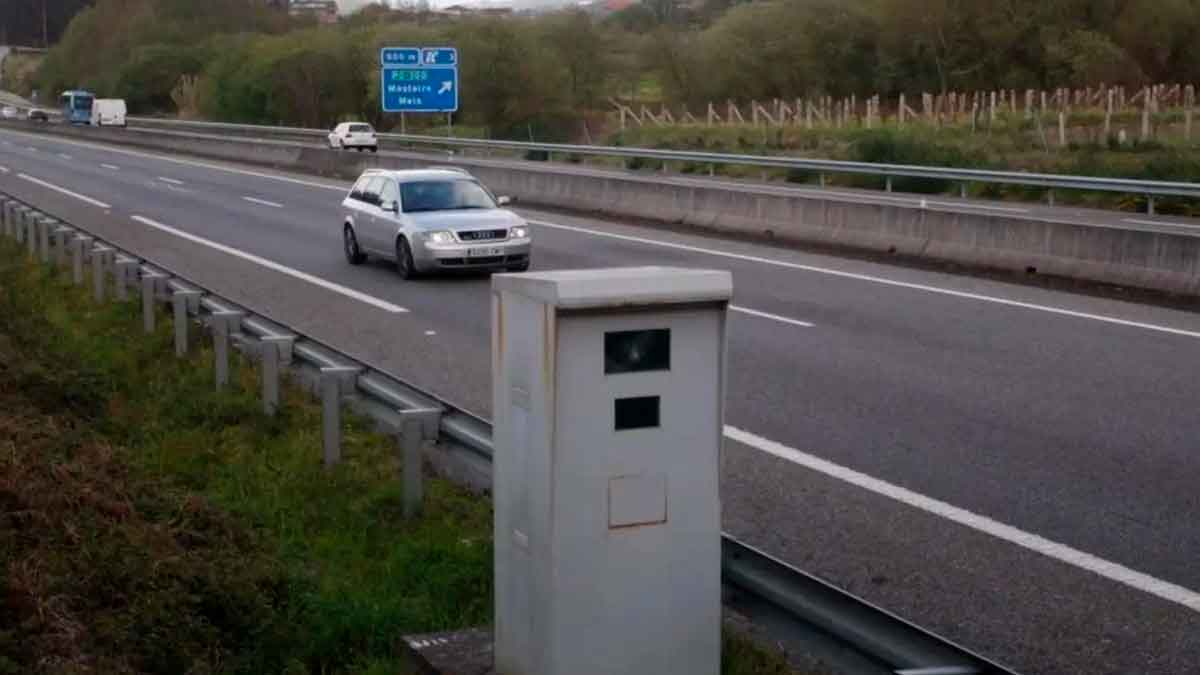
(1138, 258)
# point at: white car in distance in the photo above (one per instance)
(357, 135)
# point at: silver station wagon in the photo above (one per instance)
(432, 220)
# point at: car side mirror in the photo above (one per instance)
(505, 201)
(391, 207)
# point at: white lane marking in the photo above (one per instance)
(1060, 552)
(172, 181)
(1158, 223)
(773, 317)
(32, 149)
(430, 333)
(879, 280)
(263, 202)
(3, 169)
(112, 167)
(64, 155)
(272, 265)
(65, 191)
(201, 165)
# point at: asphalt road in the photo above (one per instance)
(1012, 467)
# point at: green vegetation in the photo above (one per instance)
(741, 656)
(1008, 147)
(149, 524)
(544, 75)
(20, 72)
(36, 23)
(790, 48)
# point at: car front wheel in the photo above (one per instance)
(404, 260)
(354, 254)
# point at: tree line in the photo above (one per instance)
(540, 75)
(36, 23)
(790, 48)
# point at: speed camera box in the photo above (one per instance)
(608, 395)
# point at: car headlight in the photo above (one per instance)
(518, 232)
(439, 237)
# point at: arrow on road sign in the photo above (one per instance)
(446, 87)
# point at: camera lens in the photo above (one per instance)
(636, 351)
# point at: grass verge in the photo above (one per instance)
(149, 524)
(152, 525)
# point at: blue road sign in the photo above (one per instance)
(420, 89)
(439, 56)
(399, 56)
(419, 79)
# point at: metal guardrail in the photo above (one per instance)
(1149, 189)
(809, 606)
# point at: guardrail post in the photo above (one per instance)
(821, 179)
(888, 181)
(80, 243)
(17, 220)
(962, 190)
(150, 282)
(31, 237)
(10, 218)
(122, 268)
(27, 218)
(13, 223)
(45, 224)
(19, 223)
(1050, 197)
(62, 238)
(6, 216)
(332, 382)
(415, 430)
(223, 324)
(99, 255)
(1149, 205)
(182, 300)
(272, 349)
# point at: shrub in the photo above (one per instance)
(888, 146)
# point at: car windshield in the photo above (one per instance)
(360, 129)
(83, 102)
(444, 195)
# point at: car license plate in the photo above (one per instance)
(483, 252)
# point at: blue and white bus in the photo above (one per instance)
(77, 106)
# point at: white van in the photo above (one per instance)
(108, 112)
